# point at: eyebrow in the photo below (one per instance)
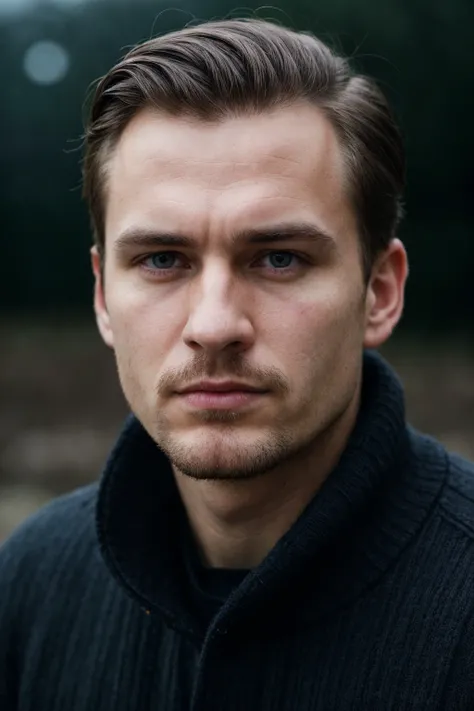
(150, 239)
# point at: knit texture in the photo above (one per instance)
(365, 603)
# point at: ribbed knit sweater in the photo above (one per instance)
(366, 603)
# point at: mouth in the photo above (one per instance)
(222, 400)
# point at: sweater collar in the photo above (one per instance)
(353, 529)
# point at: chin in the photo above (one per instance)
(225, 456)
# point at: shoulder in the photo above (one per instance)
(456, 506)
(51, 519)
(45, 560)
(45, 568)
(457, 500)
(49, 535)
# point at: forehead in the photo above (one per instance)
(190, 175)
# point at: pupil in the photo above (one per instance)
(280, 258)
(162, 260)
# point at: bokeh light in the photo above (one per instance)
(46, 62)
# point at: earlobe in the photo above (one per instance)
(385, 294)
(100, 307)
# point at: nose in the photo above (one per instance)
(217, 320)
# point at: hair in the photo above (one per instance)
(223, 68)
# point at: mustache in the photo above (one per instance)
(202, 368)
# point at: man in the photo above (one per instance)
(268, 532)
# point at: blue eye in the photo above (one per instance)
(279, 263)
(161, 260)
(281, 260)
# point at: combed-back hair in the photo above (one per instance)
(230, 67)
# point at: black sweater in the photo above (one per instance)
(366, 603)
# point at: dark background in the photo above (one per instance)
(61, 406)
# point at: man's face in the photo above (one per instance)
(287, 315)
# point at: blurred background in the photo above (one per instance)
(61, 407)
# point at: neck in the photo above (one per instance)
(237, 522)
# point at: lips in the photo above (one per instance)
(220, 395)
(222, 387)
(221, 400)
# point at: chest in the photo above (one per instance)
(366, 658)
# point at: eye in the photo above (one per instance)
(161, 260)
(280, 260)
(276, 262)
(283, 262)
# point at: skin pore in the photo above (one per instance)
(232, 253)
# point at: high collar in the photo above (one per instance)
(357, 524)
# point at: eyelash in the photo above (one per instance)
(283, 271)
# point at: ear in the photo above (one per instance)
(385, 294)
(100, 307)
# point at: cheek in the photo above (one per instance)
(317, 314)
(319, 332)
(141, 329)
(138, 317)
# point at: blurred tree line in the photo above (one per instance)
(419, 50)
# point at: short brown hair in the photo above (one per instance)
(221, 68)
